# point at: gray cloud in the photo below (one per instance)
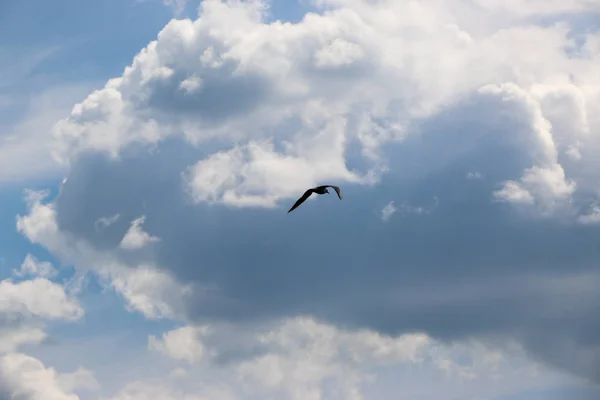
(471, 267)
(343, 96)
(221, 95)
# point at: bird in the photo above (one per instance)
(318, 190)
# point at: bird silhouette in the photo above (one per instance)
(317, 190)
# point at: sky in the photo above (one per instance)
(150, 150)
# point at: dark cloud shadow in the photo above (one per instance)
(471, 267)
(223, 93)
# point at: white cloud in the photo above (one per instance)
(537, 7)
(183, 343)
(33, 267)
(178, 5)
(105, 222)
(25, 145)
(420, 210)
(545, 182)
(38, 297)
(178, 373)
(387, 211)
(377, 69)
(144, 287)
(12, 339)
(278, 107)
(474, 175)
(391, 209)
(191, 84)
(25, 377)
(23, 308)
(79, 379)
(548, 184)
(593, 216)
(140, 390)
(513, 192)
(301, 358)
(303, 354)
(148, 290)
(337, 54)
(258, 175)
(40, 225)
(135, 238)
(573, 152)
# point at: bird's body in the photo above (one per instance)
(318, 190)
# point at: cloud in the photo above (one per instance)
(105, 222)
(140, 390)
(38, 297)
(79, 379)
(26, 303)
(545, 183)
(234, 177)
(178, 5)
(24, 144)
(514, 193)
(539, 7)
(593, 217)
(303, 358)
(24, 306)
(390, 101)
(135, 238)
(313, 136)
(303, 354)
(474, 175)
(406, 209)
(13, 338)
(191, 84)
(387, 211)
(33, 267)
(25, 377)
(146, 289)
(179, 344)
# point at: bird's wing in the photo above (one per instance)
(301, 200)
(337, 190)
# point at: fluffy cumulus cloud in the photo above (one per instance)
(303, 355)
(25, 304)
(474, 119)
(38, 296)
(25, 377)
(135, 237)
(302, 358)
(281, 108)
(32, 267)
(145, 288)
(180, 344)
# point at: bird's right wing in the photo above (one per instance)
(301, 200)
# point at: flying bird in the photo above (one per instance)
(317, 190)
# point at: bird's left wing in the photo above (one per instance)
(337, 190)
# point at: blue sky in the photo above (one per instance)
(145, 248)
